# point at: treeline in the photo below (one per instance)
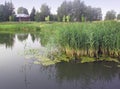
(70, 11)
(75, 10)
(6, 11)
(78, 11)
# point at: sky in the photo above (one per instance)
(105, 5)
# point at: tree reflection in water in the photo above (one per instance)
(87, 75)
(35, 36)
(7, 39)
(22, 37)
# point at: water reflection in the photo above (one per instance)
(25, 68)
(87, 76)
(73, 76)
(7, 39)
(22, 37)
(24, 74)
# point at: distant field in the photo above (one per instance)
(19, 27)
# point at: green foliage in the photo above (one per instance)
(68, 18)
(47, 18)
(22, 10)
(110, 15)
(6, 10)
(76, 9)
(64, 18)
(41, 16)
(12, 18)
(38, 29)
(97, 40)
(37, 17)
(58, 19)
(45, 11)
(53, 17)
(32, 14)
(83, 19)
(118, 17)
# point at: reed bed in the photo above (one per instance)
(94, 40)
(97, 40)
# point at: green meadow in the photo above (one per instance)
(16, 27)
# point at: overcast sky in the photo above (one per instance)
(105, 5)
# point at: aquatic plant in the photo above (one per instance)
(78, 40)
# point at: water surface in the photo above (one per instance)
(17, 72)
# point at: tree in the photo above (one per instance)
(1, 12)
(110, 15)
(118, 17)
(53, 17)
(22, 10)
(68, 18)
(32, 14)
(37, 17)
(47, 18)
(6, 10)
(64, 18)
(93, 14)
(12, 18)
(64, 10)
(83, 19)
(77, 10)
(45, 11)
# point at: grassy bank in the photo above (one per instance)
(84, 42)
(13, 27)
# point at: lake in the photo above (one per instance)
(17, 72)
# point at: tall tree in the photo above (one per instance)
(93, 14)
(6, 10)
(64, 10)
(118, 17)
(32, 14)
(45, 11)
(78, 9)
(53, 17)
(110, 15)
(22, 10)
(37, 17)
(2, 12)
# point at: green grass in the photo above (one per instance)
(11, 27)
